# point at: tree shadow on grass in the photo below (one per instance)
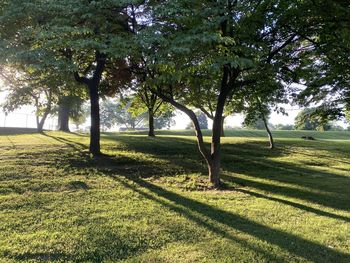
(253, 164)
(253, 160)
(214, 219)
(217, 220)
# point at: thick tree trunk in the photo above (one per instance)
(63, 116)
(95, 147)
(93, 86)
(272, 144)
(151, 123)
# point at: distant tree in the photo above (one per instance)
(258, 124)
(165, 120)
(28, 86)
(285, 127)
(335, 127)
(202, 120)
(116, 113)
(79, 115)
(158, 112)
(69, 107)
(308, 119)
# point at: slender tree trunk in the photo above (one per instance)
(151, 123)
(40, 122)
(272, 144)
(63, 116)
(213, 159)
(95, 147)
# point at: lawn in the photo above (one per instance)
(147, 200)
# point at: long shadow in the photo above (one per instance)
(200, 213)
(190, 208)
(264, 168)
(296, 205)
(203, 222)
(73, 144)
(192, 164)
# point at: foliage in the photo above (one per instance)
(258, 124)
(202, 120)
(116, 113)
(308, 119)
(285, 127)
(165, 120)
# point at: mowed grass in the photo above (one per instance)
(148, 200)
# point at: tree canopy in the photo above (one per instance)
(220, 57)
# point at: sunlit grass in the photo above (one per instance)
(148, 200)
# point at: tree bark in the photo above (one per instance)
(151, 123)
(40, 122)
(272, 144)
(212, 160)
(63, 116)
(93, 86)
(95, 147)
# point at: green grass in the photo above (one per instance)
(148, 200)
(328, 135)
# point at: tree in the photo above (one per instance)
(202, 120)
(87, 37)
(284, 127)
(159, 113)
(31, 87)
(223, 42)
(165, 120)
(326, 73)
(79, 115)
(69, 106)
(308, 119)
(116, 113)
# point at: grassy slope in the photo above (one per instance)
(329, 135)
(147, 202)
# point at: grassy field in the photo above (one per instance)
(148, 200)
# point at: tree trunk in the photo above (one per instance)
(95, 147)
(40, 122)
(272, 144)
(213, 158)
(222, 126)
(151, 123)
(93, 85)
(63, 116)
